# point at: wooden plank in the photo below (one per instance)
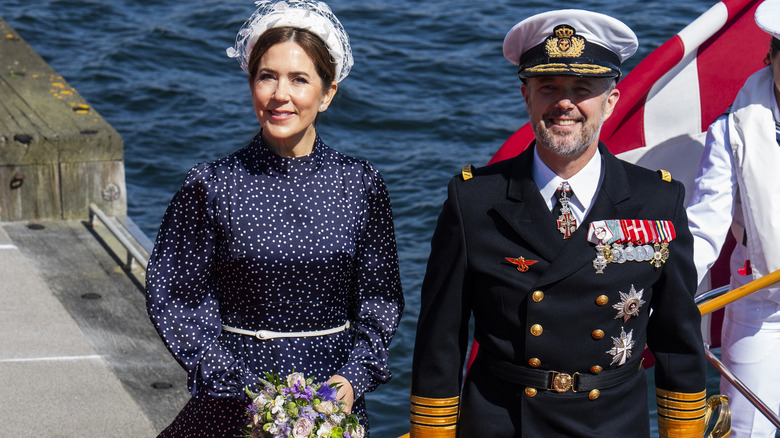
(45, 122)
(29, 192)
(109, 308)
(43, 117)
(100, 182)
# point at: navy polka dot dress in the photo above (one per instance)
(261, 242)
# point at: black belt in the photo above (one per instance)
(557, 381)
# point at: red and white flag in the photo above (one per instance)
(670, 98)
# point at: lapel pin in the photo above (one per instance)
(521, 263)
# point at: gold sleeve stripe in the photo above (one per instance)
(434, 421)
(680, 405)
(433, 402)
(677, 414)
(677, 429)
(680, 414)
(427, 410)
(437, 413)
(681, 396)
(416, 430)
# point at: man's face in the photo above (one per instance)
(567, 111)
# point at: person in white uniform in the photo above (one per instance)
(737, 188)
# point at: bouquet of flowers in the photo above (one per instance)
(297, 407)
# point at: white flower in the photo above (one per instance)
(337, 418)
(294, 378)
(258, 420)
(277, 405)
(325, 407)
(324, 430)
(261, 400)
(357, 432)
(302, 428)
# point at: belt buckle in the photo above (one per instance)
(562, 382)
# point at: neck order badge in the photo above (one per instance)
(567, 223)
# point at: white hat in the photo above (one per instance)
(570, 42)
(312, 15)
(768, 17)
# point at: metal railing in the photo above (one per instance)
(742, 388)
(133, 254)
(719, 293)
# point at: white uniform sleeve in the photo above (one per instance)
(711, 209)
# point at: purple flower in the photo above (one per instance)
(327, 393)
(300, 392)
(308, 412)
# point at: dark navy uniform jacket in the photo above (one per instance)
(500, 213)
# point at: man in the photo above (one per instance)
(561, 300)
(736, 189)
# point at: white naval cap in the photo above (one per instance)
(768, 17)
(571, 42)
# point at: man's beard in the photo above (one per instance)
(567, 144)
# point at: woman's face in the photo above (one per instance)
(287, 94)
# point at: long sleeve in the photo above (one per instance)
(180, 292)
(711, 209)
(674, 338)
(376, 299)
(442, 329)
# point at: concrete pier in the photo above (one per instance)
(55, 383)
(78, 355)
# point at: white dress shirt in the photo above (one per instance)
(584, 185)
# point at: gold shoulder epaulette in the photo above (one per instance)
(665, 175)
(681, 415)
(466, 172)
(434, 417)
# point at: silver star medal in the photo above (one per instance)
(622, 346)
(629, 304)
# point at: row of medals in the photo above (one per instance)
(656, 254)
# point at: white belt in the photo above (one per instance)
(267, 334)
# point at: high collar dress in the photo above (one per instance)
(261, 242)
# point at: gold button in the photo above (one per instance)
(597, 334)
(595, 369)
(530, 392)
(602, 300)
(593, 395)
(534, 362)
(538, 296)
(536, 329)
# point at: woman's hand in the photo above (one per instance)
(346, 393)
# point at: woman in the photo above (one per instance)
(286, 236)
(736, 189)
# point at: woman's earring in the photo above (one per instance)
(322, 108)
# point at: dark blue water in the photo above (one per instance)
(430, 92)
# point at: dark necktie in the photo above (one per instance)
(567, 223)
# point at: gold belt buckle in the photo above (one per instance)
(562, 382)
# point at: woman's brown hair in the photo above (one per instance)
(314, 47)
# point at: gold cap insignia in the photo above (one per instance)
(564, 43)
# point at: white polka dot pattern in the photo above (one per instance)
(257, 241)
